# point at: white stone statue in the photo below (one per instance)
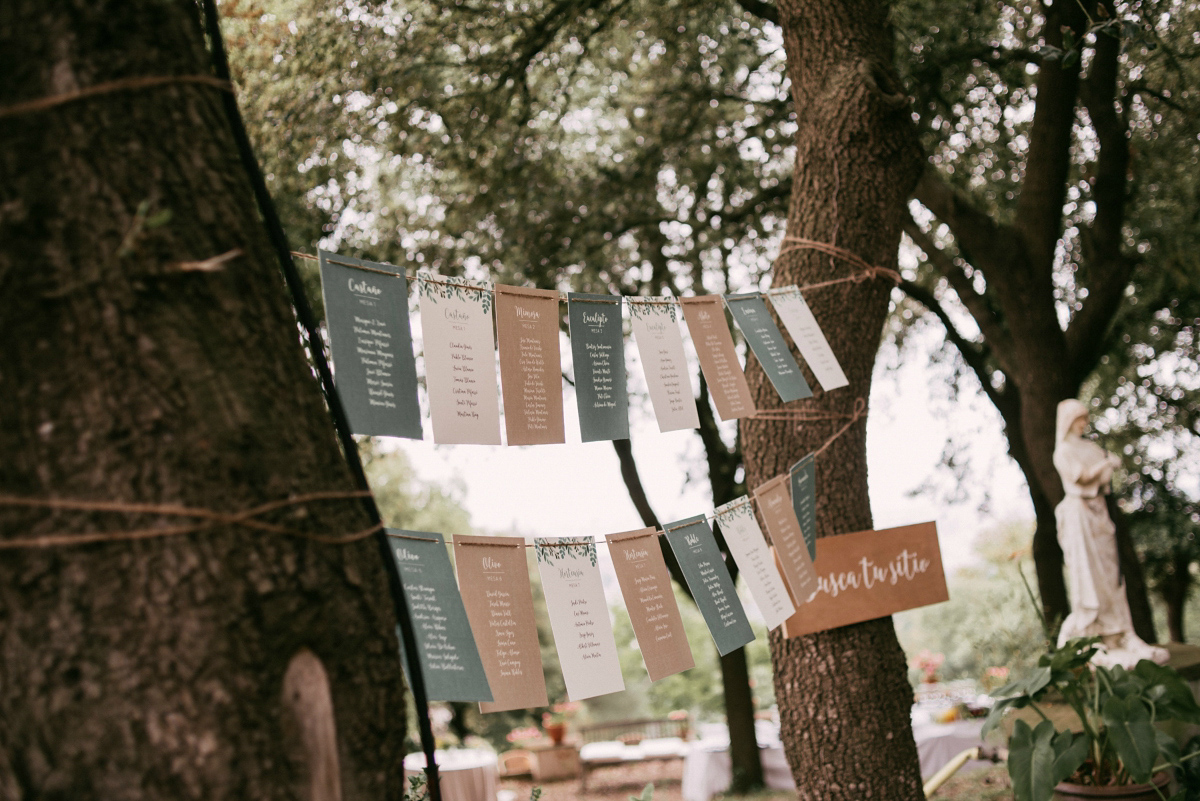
(1087, 535)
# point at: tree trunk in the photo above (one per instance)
(1136, 592)
(1175, 591)
(155, 667)
(843, 695)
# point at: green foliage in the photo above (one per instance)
(1116, 710)
(647, 794)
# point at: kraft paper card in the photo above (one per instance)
(764, 338)
(494, 579)
(460, 361)
(598, 352)
(775, 502)
(745, 541)
(583, 636)
(871, 574)
(646, 586)
(656, 332)
(705, 316)
(375, 372)
(799, 321)
(804, 500)
(530, 368)
(704, 570)
(445, 645)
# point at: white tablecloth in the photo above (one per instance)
(468, 774)
(938, 743)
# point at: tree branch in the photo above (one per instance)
(982, 241)
(761, 10)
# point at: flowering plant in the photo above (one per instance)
(928, 663)
(523, 734)
(560, 713)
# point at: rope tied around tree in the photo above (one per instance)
(108, 87)
(206, 518)
(866, 270)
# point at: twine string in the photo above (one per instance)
(108, 87)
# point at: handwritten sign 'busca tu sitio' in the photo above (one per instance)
(871, 574)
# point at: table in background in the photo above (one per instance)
(468, 774)
(938, 743)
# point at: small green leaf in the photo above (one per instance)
(158, 219)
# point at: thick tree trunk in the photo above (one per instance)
(155, 668)
(1136, 591)
(843, 695)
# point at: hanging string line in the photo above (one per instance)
(120, 85)
(867, 272)
(866, 269)
(207, 518)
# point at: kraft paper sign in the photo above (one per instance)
(745, 541)
(872, 574)
(494, 579)
(656, 332)
(704, 570)
(530, 369)
(376, 374)
(764, 338)
(646, 585)
(460, 361)
(705, 316)
(799, 321)
(775, 502)
(804, 500)
(598, 352)
(583, 637)
(445, 645)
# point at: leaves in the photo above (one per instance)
(1040, 758)
(1132, 736)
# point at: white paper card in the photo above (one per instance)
(460, 361)
(802, 326)
(583, 636)
(749, 548)
(660, 345)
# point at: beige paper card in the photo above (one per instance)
(530, 369)
(493, 578)
(775, 503)
(872, 574)
(646, 585)
(705, 317)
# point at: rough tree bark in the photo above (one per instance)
(157, 668)
(844, 698)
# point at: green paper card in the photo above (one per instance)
(708, 579)
(804, 500)
(598, 352)
(763, 336)
(446, 647)
(375, 372)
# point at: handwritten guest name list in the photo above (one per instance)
(799, 321)
(704, 570)
(745, 541)
(764, 338)
(650, 601)
(775, 502)
(530, 370)
(445, 645)
(494, 579)
(705, 316)
(660, 345)
(583, 637)
(376, 375)
(460, 361)
(598, 353)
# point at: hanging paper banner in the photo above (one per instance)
(367, 316)
(660, 346)
(646, 585)
(530, 368)
(763, 337)
(775, 502)
(493, 577)
(804, 500)
(705, 318)
(583, 637)
(708, 579)
(460, 361)
(745, 541)
(598, 352)
(445, 645)
(799, 321)
(871, 574)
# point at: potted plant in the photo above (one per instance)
(554, 722)
(1112, 749)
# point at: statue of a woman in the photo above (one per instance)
(1089, 544)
